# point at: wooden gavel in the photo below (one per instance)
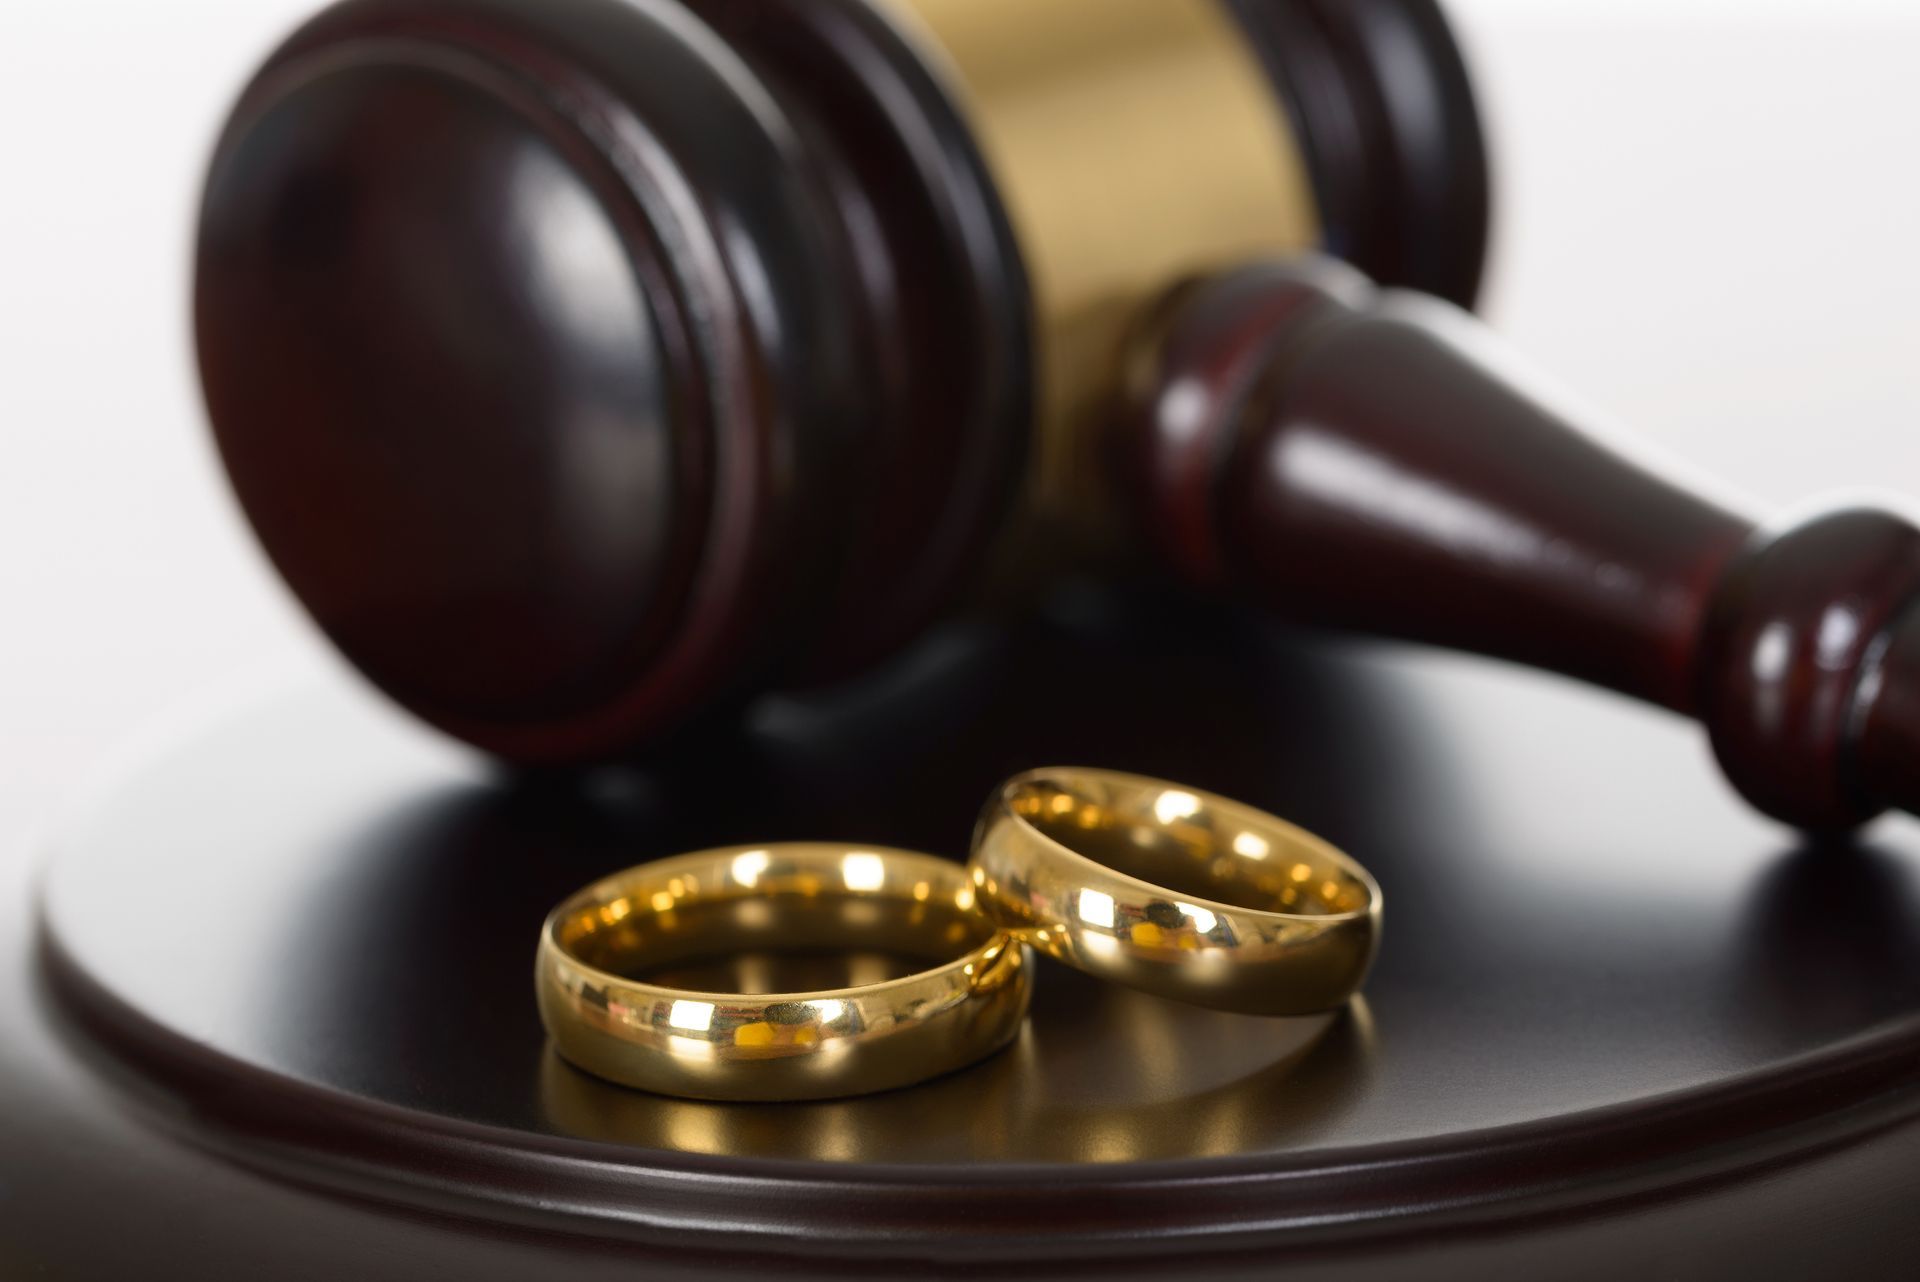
(586, 366)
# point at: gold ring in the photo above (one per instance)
(796, 899)
(1175, 891)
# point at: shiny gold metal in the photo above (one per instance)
(1176, 891)
(1099, 1074)
(750, 902)
(1133, 143)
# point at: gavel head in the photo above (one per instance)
(585, 365)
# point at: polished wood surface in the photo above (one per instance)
(110, 620)
(649, 429)
(298, 937)
(659, 381)
(1400, 166)
(1374, 460)
(567, 432)
(587, 367)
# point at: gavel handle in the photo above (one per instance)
(1370, 459)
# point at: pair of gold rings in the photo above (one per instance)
(1143, 882)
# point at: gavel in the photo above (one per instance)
(589, 366)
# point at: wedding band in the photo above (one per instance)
(749, 901)
(1175, 891)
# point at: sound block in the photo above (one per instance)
(1617, 1019)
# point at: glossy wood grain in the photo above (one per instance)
(587, 368)
(1586, 1033)
(574, 373)
(1374, 459)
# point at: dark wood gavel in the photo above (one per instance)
(587, 366)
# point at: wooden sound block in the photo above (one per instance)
(1617, 1021)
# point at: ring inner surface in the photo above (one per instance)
(1191, 844)
(755, 922)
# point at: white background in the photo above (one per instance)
(1709, 223)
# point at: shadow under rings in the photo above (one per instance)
(1129, 1078)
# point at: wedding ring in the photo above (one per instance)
(1175, 891)
(604, 951)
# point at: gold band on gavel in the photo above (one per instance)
(1133, 143)
(966, 1003)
